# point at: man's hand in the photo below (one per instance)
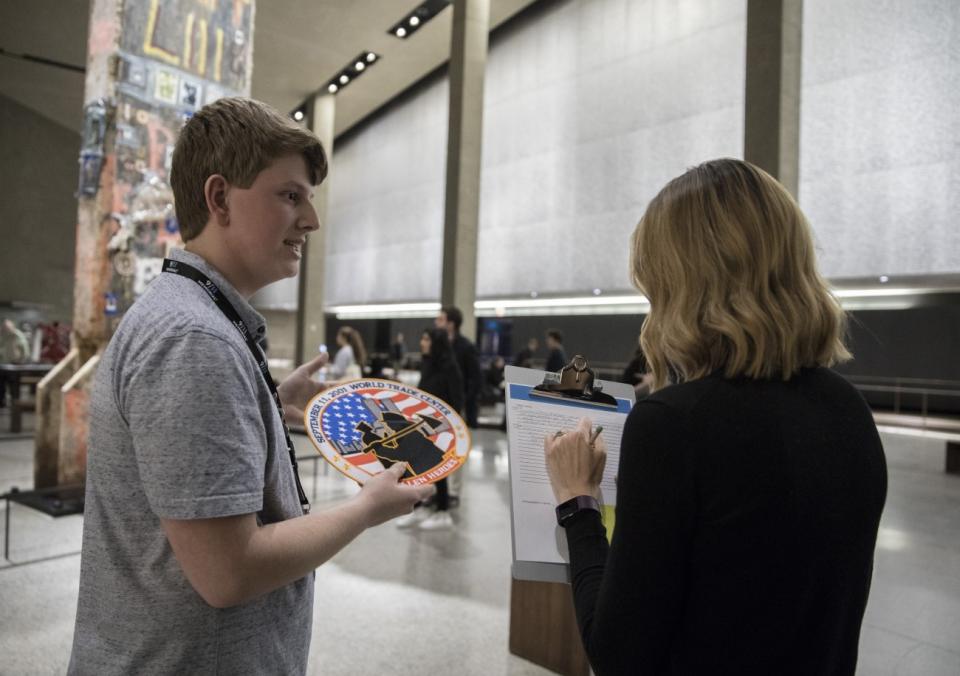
(299, 387)
(385, 497)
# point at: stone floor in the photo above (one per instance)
(447, 594)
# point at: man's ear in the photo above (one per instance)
(215, 193)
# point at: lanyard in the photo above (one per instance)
(190, 272)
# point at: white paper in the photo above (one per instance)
(536, 536)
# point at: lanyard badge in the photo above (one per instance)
(224, 305)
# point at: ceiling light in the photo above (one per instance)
(298, 115)
(884, 279)
(418, 17)
(353, 69)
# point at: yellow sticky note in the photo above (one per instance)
(609, 518)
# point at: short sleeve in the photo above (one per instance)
(198, 431)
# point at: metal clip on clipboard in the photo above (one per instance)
(574, 381)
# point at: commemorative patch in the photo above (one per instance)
(364, 426)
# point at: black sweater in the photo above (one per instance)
(746, 519)
(443, 380)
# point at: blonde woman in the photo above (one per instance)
(351, 355)
(750, 490)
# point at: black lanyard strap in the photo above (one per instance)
(211, 289)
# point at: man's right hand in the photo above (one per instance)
(386, 498)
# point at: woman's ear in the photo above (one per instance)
(215, 193)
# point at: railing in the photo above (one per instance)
(898, 387)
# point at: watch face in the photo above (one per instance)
(363, 427)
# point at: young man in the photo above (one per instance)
(198, 551)
(525, 356)
(556, 357)
(450, 319)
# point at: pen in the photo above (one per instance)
(596, 433)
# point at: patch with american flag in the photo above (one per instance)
(363, 427)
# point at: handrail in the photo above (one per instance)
(908, 381)
(908, 390)
(898, 389)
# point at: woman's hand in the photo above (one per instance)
(575, 467)
(299, 387)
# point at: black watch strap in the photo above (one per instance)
(566, 510)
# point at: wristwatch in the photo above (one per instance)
(566, 510)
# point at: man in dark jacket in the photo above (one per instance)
(556, 357)
(450, 319)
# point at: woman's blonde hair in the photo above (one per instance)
(726, 258)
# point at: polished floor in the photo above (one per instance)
(402, 602)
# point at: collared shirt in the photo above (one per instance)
(182, 426)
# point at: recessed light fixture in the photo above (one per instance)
(884, 279)
(356, 67)
(416, 19)
(298, 114)
(597, 292)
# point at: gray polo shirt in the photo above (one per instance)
(182, 426)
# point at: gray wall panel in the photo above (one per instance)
(880, 137)
(592, 105)
(385, 219)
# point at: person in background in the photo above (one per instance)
(637, 374)
(350, 357)
(556, 357)
(524, 357)
(493, 384)
(398, 350)
(450, 319)
(14, 349)
(54, 342)
(439, 376)
(749, 492)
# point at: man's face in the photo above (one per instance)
(441, 321)
(269, 222)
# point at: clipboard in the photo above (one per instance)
(538, 403)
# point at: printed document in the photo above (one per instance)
(539, 544)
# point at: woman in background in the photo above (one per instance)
(441, 377)
(351, 355)
(750, 492)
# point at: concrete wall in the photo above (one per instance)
(38, 211)
(879, 138)
(590, 107)
(385, 214)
